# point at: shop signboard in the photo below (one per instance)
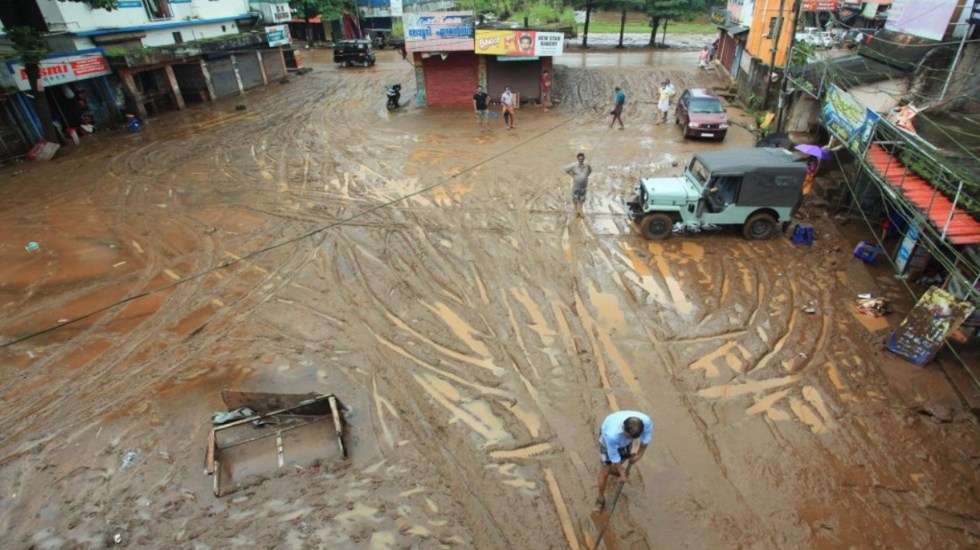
(847, 119)
(447, 31)
(62, 70)
(820, 5)
(519, 43)
(924, 18)
(277, 35)
(923, 332)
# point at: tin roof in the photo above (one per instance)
(962, 227)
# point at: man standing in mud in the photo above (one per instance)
(619, 100)
(616, 436)
(580, 172)
(480, 100)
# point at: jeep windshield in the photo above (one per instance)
(706, 105)
(699, 172)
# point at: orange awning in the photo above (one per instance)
(963, 228)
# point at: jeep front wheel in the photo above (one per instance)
(759, 227)
(657, 226)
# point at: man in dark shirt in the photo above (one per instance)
(480, 100)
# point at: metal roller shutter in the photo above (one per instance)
(450, 82)
(249, 70)
(521, 76)
(275, 67)
(223, 77)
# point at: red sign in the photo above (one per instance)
(61, 70)
(820, 5)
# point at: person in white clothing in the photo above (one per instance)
(667, 92)
(507, 102)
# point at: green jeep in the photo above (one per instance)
(757, 189)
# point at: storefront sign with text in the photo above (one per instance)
(61, 70)
(519, 43)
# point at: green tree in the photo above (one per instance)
(661, 11)
(328, 10)
(625, 6)
(31, 48)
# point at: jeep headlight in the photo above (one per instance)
(723, 125)
(694, 125)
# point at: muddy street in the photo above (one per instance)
(436, 280)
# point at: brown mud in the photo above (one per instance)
(476, 328)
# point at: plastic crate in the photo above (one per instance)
(867, 252)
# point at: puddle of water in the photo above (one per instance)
(382, 540)
(475, 414)
(538, 322)
(765, 404)
(360, 512)
(692, 250)
(814, 398)
(744, 388)
(806, 415)
(645, 275)
(460, 328)
(682, 305)
(707, 362)
(486, 362)
(606, 304)
(530, 420)
(523, 452)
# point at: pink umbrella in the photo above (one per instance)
(814, 151)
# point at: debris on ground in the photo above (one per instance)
(224, 417)
(129, 460)
(868, 304)
(32, 247)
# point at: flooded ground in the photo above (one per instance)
(435, 279)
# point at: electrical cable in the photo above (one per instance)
(280, 244)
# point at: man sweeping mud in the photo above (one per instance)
(616, 436)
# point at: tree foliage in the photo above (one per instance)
(329, 10)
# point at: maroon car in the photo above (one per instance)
(701, 114)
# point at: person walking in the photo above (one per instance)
(616, 436)
(480, 100)
(703, 58)
(507, 101)
(580, 172)
(619, 100)
(546, 89)
(667, 92)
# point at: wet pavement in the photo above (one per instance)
(435, 278)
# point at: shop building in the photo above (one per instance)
(451, 58)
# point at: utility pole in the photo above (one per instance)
(775, 48)
(784, 88)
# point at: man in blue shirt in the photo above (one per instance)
(616, 437)
(617, 112)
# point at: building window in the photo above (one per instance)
(178, 38)
(773, 25)
(158, 9)
(223, 28)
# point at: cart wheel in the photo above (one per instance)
(759, 227)
(657, 226)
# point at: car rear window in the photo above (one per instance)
(706, 105)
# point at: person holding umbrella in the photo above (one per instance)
(814, 154)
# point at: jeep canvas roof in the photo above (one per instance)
(755, 159)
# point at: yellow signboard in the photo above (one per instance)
(518, 43)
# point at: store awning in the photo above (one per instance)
(962, 228)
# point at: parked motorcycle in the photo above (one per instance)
(394, 96)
